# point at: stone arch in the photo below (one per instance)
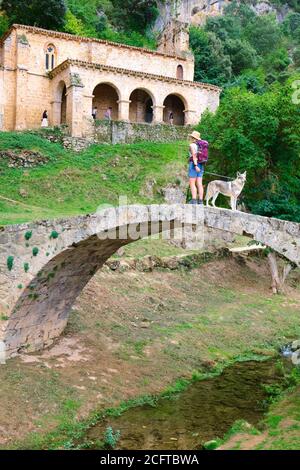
(179, 72)
(106, 95)
(61, 99)
(141, 106)
(59, 104)
(37, 300)
(41, 312)
(176, 105)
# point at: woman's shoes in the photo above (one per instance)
(196, 201)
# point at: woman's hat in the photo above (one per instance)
(196, 135)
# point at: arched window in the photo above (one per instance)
(179, 73)
(50, 57)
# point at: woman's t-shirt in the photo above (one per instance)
(193, 149)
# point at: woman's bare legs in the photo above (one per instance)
(193, 188)
(200, 189)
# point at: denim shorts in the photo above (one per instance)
(192, 170)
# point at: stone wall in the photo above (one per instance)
(118, 132)
(27, 88)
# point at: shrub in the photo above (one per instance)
(111, 438)
(35, 251)
(28, 235)
(10, 262)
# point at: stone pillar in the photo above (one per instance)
(21, 99)
(124, 110)
(158, 114)
(75, 105)
(23, 106)
(87, 119)
(190, 117)
(56, 112)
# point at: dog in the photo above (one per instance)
(231, 189)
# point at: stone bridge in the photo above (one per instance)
(45, 265)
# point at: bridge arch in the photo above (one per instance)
(50, 262)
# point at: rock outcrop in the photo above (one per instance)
(197, 11)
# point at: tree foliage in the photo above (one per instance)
(211, 63)
(259, 133)
(48, 14)
(136, 15)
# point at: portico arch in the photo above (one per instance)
(141, 106)
(175, 105)
(106, 95)
(60, 104)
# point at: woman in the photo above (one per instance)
(45, 119)
(196, 170)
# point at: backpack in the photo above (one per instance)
(202, 154)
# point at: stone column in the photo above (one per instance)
(88, 127)
(56, 112)
(75, 105)
(124, 110)
(158, 114)
(190, 117)
(23, 104)
(21, 99)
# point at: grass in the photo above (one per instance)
(79, 183)
(69, 431)
(280, 428)
(180, 345)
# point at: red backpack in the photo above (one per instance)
(202, 153)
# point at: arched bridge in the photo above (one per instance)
(45, 265)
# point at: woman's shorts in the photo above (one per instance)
(192, 170)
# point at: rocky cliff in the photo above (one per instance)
(196, 11)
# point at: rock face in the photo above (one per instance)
(196, 11)
(45, 265)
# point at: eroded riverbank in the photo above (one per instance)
(206, 410)
(135, 334)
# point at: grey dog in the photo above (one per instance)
(231, 189)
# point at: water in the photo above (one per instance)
(205, 411)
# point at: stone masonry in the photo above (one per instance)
(69, 76)
(45, 265)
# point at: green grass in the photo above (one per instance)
(70, 431)
(78, 183)
(280, 428)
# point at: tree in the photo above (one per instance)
(49, 14)
(4, 23)
(211, 63)
(259, 133)
(136, 15)
(291, 23)
(242, 55)
(264, 34)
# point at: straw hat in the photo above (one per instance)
(195, 135)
